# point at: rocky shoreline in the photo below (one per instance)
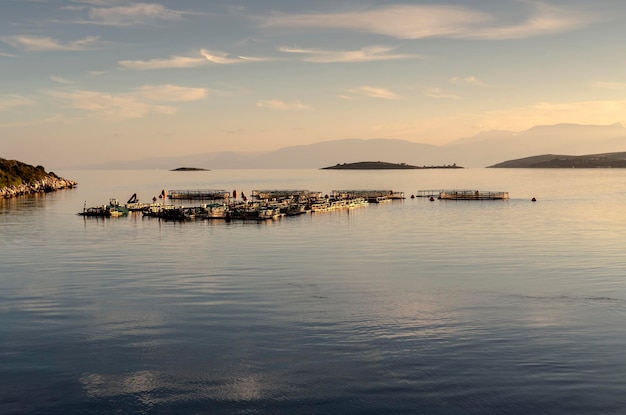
(50, 183)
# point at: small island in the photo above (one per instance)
(17, 178)
(190, 169)
(381, 165)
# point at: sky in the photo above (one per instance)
(90, 81)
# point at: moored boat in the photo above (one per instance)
(213, 211)
(112, 209)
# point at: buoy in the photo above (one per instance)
(432, 199)
(412, 196)
(533, 200)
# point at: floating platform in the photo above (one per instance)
(370, 195)
(206, 194)
(464, 194)
(286, 194)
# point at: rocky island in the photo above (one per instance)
(553, 161)
(381, 165)
(189, 169)
(17, 178)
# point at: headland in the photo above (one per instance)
(17, 178)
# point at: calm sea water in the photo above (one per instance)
(413, 307)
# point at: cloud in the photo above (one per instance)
(438, 93)
(223, 59)
(371, 92)
(136, 104)
(40, 43)
(60, 80)
(367, 54)
(470, 80)
(172, 93)
(172, 62)
(546, 20)
(138, 13)
(435, 21)
(12, 101)
(402, 21)
(283, 106)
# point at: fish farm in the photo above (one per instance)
(266, 204)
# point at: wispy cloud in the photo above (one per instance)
(223, 58)
(60, 80)
(169, 63)
(469, 80)
(275, 104)
(172, 93)
(402, 21)
(367, 54)
(12, 101)
(544, 20)
(615, 86)
(42, 44)
(431, 21)
(371, 92)
(438, 93)
(143, 101)
(134, 14)
(204, 57)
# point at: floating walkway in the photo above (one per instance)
(372, 196)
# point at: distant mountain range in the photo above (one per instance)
(481, 150)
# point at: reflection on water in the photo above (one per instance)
(449, 307)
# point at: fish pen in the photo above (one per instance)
(463, 194)
(473, 195)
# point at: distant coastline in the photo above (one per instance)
(552, 161)
(381, 165)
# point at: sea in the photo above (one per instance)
(411, 307)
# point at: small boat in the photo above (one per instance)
(116, 209)
(97, 211)
(213, 211)
(265, 213)
(105, 211)
(134, 205)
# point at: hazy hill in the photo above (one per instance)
(484, 149)
(488, 148)
(605, 160)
